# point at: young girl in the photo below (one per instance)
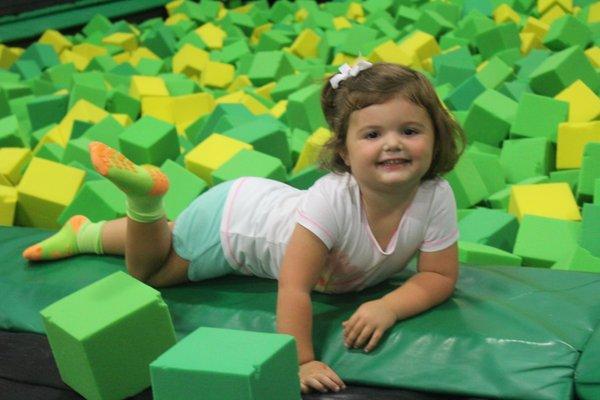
(383, 202)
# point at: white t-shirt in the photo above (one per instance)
(260, 215)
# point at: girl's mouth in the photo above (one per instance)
(394, 162)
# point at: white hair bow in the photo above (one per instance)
(346, 72)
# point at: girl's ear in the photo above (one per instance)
(344, 155)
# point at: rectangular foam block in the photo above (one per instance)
(482, 255)
(553, 200)
(105, 336)
(8, 204)
(219, 364)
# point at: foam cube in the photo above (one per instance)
(223, 117)
(552, 200)
(304, 109)
(490, 117)
(269, 66)
(590, 170)
(488, 165)
(190, 60)
(494, 73)
(142, 86)
(266, 134)
(526, 158)
(45, 190)
(538, 116)
(584, 105)
(312, 149)
(211, 154)
(571, 140)
(420, 46)
(590, 229)
(12, 161)
(217, 74)
(490, 227)
(10, 135)
(100, 337)
(498, 38)
(56, 40)
(390, 52)
(466, 183)
(462, 97)
(212, 35)
(216, 364)
(184, 187)
(542, 241)
(98, 200)
(480, 255)
(579, 260)
(562, 69)
(8, 204)
(567, 31)
(149, 141)
(250, 163)
(570, 176)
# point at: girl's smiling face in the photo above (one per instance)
(389, 145)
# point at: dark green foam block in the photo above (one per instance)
(304, 109)
(539, 116)
(494, 73)
(498, 38)
(149, 141)
(223, 117)
(570, 176)
(488, 165)
(461, 97)
(184, 187)
(494, 228)
(289, 84)
(44, 110)
(99, 336)
(106, 131)
(543, 241)
(99, 200)
(590, 171)
(533, 325)
(9, 132)
(52, 152)
(78, 150)
(266, 134)
(567, 31)
(268, 66)
(526, 158)
(490, 117)
(228, 364)
(250, 163)
(467, 185)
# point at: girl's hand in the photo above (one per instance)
(317, 375)
(368, 324)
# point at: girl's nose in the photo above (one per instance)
(392, 144)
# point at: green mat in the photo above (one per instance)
(511, 333)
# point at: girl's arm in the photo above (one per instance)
(301, 268)
(431, 285)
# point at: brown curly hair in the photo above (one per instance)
(376, 85)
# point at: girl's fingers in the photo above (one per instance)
(329, 383)
(353, 334)
(375, 337)
(364, 335)
(335, 378)
(304, 388)
(315, 383)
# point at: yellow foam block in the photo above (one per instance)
(355, 11)
(301, 15)
(545, 5)
(594, 13)
(529, 41)
(584, 104)
(245, 9)
(190, 60)
(142, 86)
(593, 54)
(175, 19)
(342, 58)
(505, 13)
(552, 200)
(122, 119)
(89, 50)
(141, 52)
(253, 105)
(420, 46)
(159, 107)
(211, 153)
(390, 52)
(340, 23)
(258, 31)
(8, 205)
(571, 140)
(535, 26)
(312, 149)
(80, 62)
(279, 108)
(84, 111)
(189, 108)
(56, 40)
(126, 40)
(7, 56)
(46, 189)
(306, 44)
(212, 35)
(553, 13)
(12, 159)
(217, 74)
(239, 82)
(172, 5)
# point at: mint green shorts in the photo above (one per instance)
(196, 236)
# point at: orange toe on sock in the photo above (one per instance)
(33, 252)
(99, 156)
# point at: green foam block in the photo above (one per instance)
(218, 364)
(105, 335)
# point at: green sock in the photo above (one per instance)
(78, 235)
(144, 186)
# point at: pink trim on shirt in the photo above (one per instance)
(317, 224)
(228, 223)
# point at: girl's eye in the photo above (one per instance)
(410, 131)
(371, 135)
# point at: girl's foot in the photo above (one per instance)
(60, 245)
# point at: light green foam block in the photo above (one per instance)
(105, 336)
